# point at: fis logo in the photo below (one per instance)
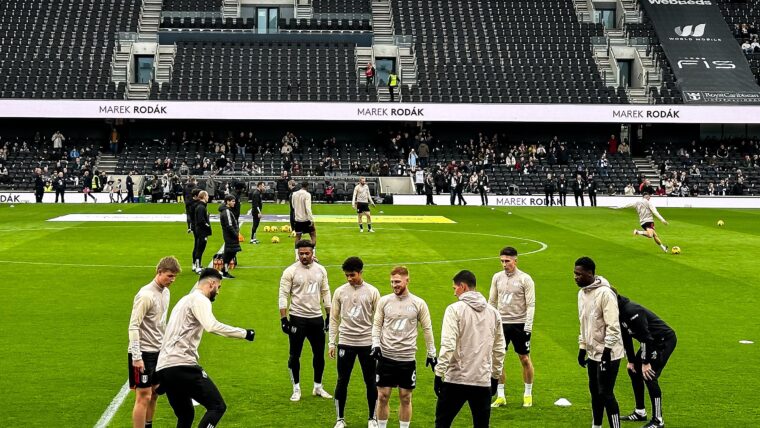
(399, 325)
(704, 63)
(342, 353)
(312, 288)
(689, 31)
(506, 298)
(355, 312)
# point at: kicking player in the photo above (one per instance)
(303, 291)
(514, 295)
(472, 355)
(178, 371)
(360, 201)
(353, 307)
(394, 345)
(647, 211)
(146, 331)
(658, 341)
(303, 218)
(600, 341)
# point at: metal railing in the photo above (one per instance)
(343, 16)
(190, 14)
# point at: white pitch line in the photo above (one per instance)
(112, 408)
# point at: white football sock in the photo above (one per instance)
(500, 390)
(296, 387)
(403, 424)
(382, 423)
(528, 389)
(317, 385)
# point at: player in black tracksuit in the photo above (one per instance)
(257, 206)
(202, 228)
(658, 341)
(190, 212)
(191, 184)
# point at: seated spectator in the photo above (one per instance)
(629, 190)
(746, 47)
(755, 45)
(329, 192)
(711, 190)
(602, 165)
(74, 154)
(694, 190)
(184, 169)
(4, 178)
(624, 148)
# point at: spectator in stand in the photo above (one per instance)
(602, 165)
(73, 154)
(369, 74)
(755, 45)
(57, 140)
(624, 148)
(695, 190)
(393, 82)
(629, 190)
(747, 47)
(711, 191)
(722, 152)
(114, 140)
(412, 159)
(423, 152)
(4, 178)
(612, 145)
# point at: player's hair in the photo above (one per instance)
(465, 277)
(260, 183)
(644, 193)
(208, 273)
(202, 193)
(168, 264)
(229, 198)
(353, 264)
(587, 264)
(400, 270)
(195, 192)
(508, 251)
(304, 243)
(304, 184)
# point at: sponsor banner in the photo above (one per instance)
(602, 201)
(180, 218)
(463, 112)
(49, 198)
(705, 56)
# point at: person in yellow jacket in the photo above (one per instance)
(393, 82)
(600, 340)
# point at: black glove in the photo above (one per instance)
(431, 361)
(285, 325)
(606, 358)
(375, 353)
(494, 386)
(250, 334)
(438, 386)
(582, 357)
(327, 323)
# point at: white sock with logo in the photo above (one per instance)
(403, 424)
(296, 387)
(528, 389)
(500, 390)
(382, 423)
(317, 386)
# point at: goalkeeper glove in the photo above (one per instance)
(606, 358)
(375, 353)
(285, 325)
(437, 386)
(250, 334)
(431, 361)
(327, 323)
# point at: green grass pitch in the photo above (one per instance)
(68, 287)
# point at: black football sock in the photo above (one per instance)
(369, 226)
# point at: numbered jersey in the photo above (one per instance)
(395, 326)
(307, 289)
(514, 295)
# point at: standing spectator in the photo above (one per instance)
(114, 140)
(146, 332)
(629, 190)
(412, 160)
(612, 145)
(549, 187)
(58, 140)
(624, 148)
(369, 74)
(394, 342)
(429, 184)
(472, 355)
(602, 165)
(592, 188)
(393, 82)
(304, 289)
(562, 190)
(87, 186)
(483, 187)
(230, 233)
(257, 207)
(350, 336)
(329, 193)
(460, 188)
(578, 186)
(423, 152)
(281, 186)
(419, 181)
(59, 184)
(600, 340)
(39, 185)
(130, 188)
(178, 371)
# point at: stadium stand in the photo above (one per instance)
(61, 49)
(743, 19)
(668, 92)
(193, 5)
(523, 51)
(342, 6)
(265, 72)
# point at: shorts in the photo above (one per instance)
(362, 207)
(304, 227)
(392, 373)
(146, 379)
(515, 333)
(647, 225)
